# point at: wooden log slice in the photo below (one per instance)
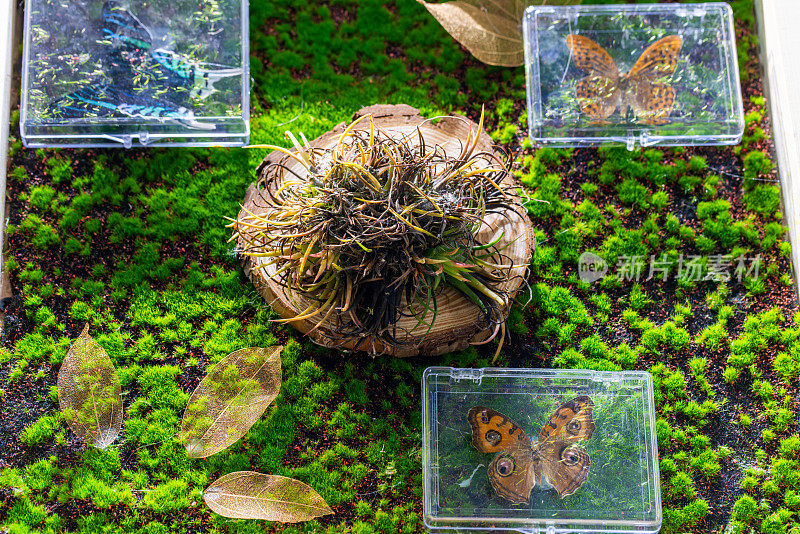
(459, 322)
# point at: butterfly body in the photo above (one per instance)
(520, 464)
(605, 89)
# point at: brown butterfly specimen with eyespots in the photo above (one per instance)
(604, 88)
(519, 464)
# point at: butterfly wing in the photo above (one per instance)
(571, 422)
(591, 58)
(513, 474)
(494, 432)
(598, 93)
(91, 100)
(564, 466)
(598, 96)
(122, 26)
(653, 101)
(650, 99)
(514, 470)
(658, 60)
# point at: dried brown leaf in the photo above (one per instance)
(490, 29)
(251, 495)
(230, 399)
(89, 392)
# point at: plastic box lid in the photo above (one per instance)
(620, 491)
(124, 73)
(647, 74)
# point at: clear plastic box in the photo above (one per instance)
(124, 73)
(595, 473)
(648, 74)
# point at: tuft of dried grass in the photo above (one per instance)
(377, 227)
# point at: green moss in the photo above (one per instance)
(168, 299)
(679, 519)
(763, 199)
(776, 522)
(713, 337)
(363, 509)
(172, 495)
(792, 500)
(787, 364)
(699, 368)
(756, 165)
(745, 509)
(24, 515)
(41, 196)
(790, 447)
(667, 337)
(633, 193)
(38, 347)
(759, 331)
(43, 236)
(637, 298)
(41, 430)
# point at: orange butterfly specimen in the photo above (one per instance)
(519, 464)
(605, 89)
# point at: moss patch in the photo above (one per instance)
(134, 243)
